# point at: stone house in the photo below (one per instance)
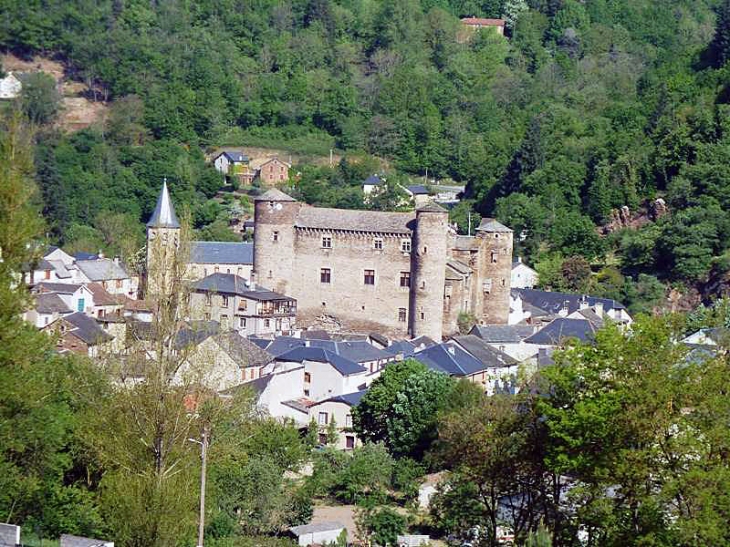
(337, 409)
(273, 171)
(242, 305)
(209, 257)
(381, 271)
(110, 274)
(80, 334)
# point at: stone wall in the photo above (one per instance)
(347, 297)
(495, 274)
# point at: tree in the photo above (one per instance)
(412, 421)
(370, 416)
(382, 526)
(39, 99)
(720, 46)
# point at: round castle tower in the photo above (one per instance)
(428, 267)
(273, 239)
(495, 272)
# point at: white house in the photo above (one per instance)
(46, 309)
(509, 339)
(325, 374)
(523, 277)
(321, 533)
(278, 393)
(372, 184)
(225, 160)
(78, 297)
(10, 87)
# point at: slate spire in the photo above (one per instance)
(164, 213)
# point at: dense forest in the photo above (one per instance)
(583, 108)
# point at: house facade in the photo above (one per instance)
(337, 410)
(381, 271)
(273, 171)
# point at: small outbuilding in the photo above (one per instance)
(317, 534)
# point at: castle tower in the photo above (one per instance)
(163, 240)
(428, 267)
(494, 272)
(273, 240)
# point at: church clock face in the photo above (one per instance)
(153, 235)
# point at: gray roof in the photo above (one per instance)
(480, 349)
(373, 180)
(196, 332)
(402, 347)
(102, 269)
(553, 302)
(234, 284)
(558, 330)
(510, 334)
(67, 540)
(221, 252)
(284, 344)
(274, 194)
(351, 399)
(417, 189)
(50, 303)
(344, 366)
(61, 288)
(432, 207)
(242, 350)
(164, 214)
(313, 528)
(359, 351)
(86, 329)
(492, 225)
(466, 243)
(236, 157)
(353, 220)
(59, 267)
(450, 359)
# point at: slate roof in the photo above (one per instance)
(67, 540)
(102, 269)
(324, 218)
(284, 344)
(466, 243)
(492, 225)
(164, 214)
(424, 341)
(403, 347)
(344, 366)
(450, 359)
(358, 351)
(373, 180)
(417, 189)
(316, 335)
(553, 302)
(81, 255)
(480, 349)
(274, 194)
(59, 267)
(234, 284)
(50, 303)
(60, 288)
(555, 332)
(242, 350)
(236, 157)
(432, 207)
(196, 332)
(510, 334)
(313, 528)
(221, 252)
(86, 329)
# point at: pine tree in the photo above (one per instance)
(720, 46)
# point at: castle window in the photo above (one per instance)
(423, 316)
(378, 244)
(275, 236)
(405, 279)
(326, 242)
(494, 257)
(503, 282)
(206, 316)
(405, 245)
(425, 249)
(325, 275)
(487, 286)
(423, 284)
(270, 276)
(225, 301)
(370, 277)
(402, 315)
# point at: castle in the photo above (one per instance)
(407, 273)
(400, 273)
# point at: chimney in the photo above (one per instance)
(598, 306)
(100, 254)
(519, 260)
(564, 310)
(583, 303)
(116, 260)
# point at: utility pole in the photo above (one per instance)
(469, 217)
(204, 455)
(425, 179)
(332, 163)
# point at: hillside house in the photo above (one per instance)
(535, 306)
(233, 163)
(337, 409)
(418, 193)
(242, 305)
(479, 23)
(321, 533)
(273, 171)
(10, 87)
(79, 333)
(372, 184)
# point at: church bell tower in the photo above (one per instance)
(163, 240)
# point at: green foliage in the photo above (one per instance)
(465, 322)
(382, 525)
(39, 99)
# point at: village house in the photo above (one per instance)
(535, 306)
(325, 374)
(77, 296)
(55, 266)
(232, 163)
(209, 257)
(508, 339)
(337, 410)
(80, 334)
(279, 394)
(110, 274)
(500, 370)
(242, 305)
(523, 277)
(47, 307)
(320, 533)
(478, 23)
(372, 185)
(10, 87)
(273, 171)
(418, 193)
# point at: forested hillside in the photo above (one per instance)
(585, 107)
